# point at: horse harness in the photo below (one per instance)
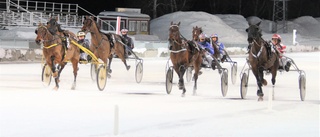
(270, 49)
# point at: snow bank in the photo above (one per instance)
(210, 24)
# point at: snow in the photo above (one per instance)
(29, 109)
(231, 27)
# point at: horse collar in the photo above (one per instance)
(259, 53)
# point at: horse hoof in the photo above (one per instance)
(128, 67)
(55, 88)
(260, 98)
(264, 82)
(183, 95)
(109, 70)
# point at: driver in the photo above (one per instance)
(276, 41)
(85, 43)
(209, 50)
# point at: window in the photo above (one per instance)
(144, 26)
(110, 25)
(132, 25)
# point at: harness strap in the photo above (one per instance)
(177, 51)
(259, 53)
(47, 47)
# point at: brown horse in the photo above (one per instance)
(113, 42)
(261, 58)
(100, 43)
(184, 54)
(56, 54)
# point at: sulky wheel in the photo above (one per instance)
(224, 83)
(102, 77)
(244, 85)
(169, 78)
(189, 74)
(46, 75)
(93, 71)
(302, 86)
(139, 72)
(234, 69)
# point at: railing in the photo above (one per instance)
(45, 7)
(30, 13)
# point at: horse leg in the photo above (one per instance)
(182, 70)
(55, 73)
(109, 64)
(256, 72)
(75, 72)
(58, 71)
(53, 67)
(121, 55)
(125, 63)
(195, 76)
(260, 82)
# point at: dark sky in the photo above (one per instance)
(96, 6)
(296, 8)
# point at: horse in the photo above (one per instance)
(56, 55)
(113, 43)
(261, 58)
(100, 43)
(184, 54)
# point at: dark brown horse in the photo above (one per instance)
(56, 55)
(261, 58)
(100, 43)
(184, 54)
(196, 31)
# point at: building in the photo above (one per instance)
(131, 19)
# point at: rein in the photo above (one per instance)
(49, 41)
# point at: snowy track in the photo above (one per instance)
(28, 109)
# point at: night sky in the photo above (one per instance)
(296, 8)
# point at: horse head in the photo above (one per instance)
(254, 32)
(174, 33)
(88, 24)
(41, 32)
(196, 32)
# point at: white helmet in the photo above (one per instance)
(81, 33)
(124, 30)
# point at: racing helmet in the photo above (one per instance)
(124, 30)
(214, 36)
(276, 36)
(81, 33)
(202, 36)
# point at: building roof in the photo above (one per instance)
(123, 14)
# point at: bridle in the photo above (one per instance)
(174, 40)
(44, 33)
